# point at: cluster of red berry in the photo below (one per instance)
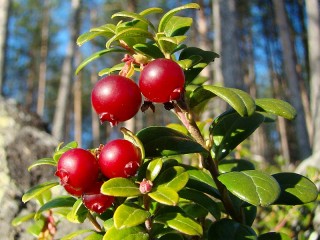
(116, 99)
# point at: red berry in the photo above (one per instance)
(116, 99)
(95, 201)
(119, 158)
(77, 169)
(162, 80)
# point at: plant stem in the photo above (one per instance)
(94, 221)
(183, 112)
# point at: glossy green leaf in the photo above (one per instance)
(151, 11)
(252, 186)
(36, 228)
(43, 161)
(166, 17)
(148, 49)
(133, 233)
(168, 44)
(129, 215)
(129, 33)
(131, 137)
(109, 29)
(177, 26)
(95, 56)
(108, 71)
(274, 236)
(94, 236)
(120, 187)
(230, 129)
(21, 219)
(58, 202)
(134, 16)
(174, 177)
(75, 234)
(153, 169)
(235, 165)
(163, 141)
(87, 36)
(295, 189)
(165, 195)
(277, 107)
(37, 190)
(78, 212)
(229, 229)
(194, 52)
(203, 200)
(181, 223)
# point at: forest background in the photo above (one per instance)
(269, 48)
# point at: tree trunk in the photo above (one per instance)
(4, 15)
(314, 61)
(67, 73)
(230, 56)
(292, 78)
(77, 104)
(43, 58)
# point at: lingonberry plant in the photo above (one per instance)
(145, 190)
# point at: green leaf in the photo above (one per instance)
(166, 17)
(165, 195)
(153, 169)
(177, 26)
(252, 186)
(120, 187)
(133, 233)
(37, 190)
(171, 236)
(134, 16)
(163, 141)
(43, 161)
(235, 165)
(230, 129)
(87, 36)
(151, 11)
(75, 234)
(168, 44)
(129, 136)
(237, 99)
(295, 189)
(274, 236)
(59, 151)
(196, 53)
(95, 236)
(108, 29)
(181, 223)
(36, 228)
(129, 33)
(148, 49)
(229, 229)
(78, 212)
(129, 215)
(95, 56)
(277, 107)
(21, 219)
(203, 200)
(115, 68)
(175, 177)
(58, 202)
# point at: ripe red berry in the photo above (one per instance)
(119, 158)
(77, 169)
(116, 99)
(162, 80)
(95, 201)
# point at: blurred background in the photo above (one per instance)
(268, 48)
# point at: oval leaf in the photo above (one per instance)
(95, 236)
(229, 229)
(277, 107)
(132, 233)
(230, 129)
(174, 177)
(134, 16)
(163, 141)
(153, 169)
(181, 223)
(295, 189)
(177, 26)
(150, 11)
(21, 219)
(43, 161)
(78, 212)
(149, 49)
(252, 186)
(129, 215)
(120, 187)
(37, 190)
(165, 195)
(235, 165)
(76, 234)
(166, 17)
